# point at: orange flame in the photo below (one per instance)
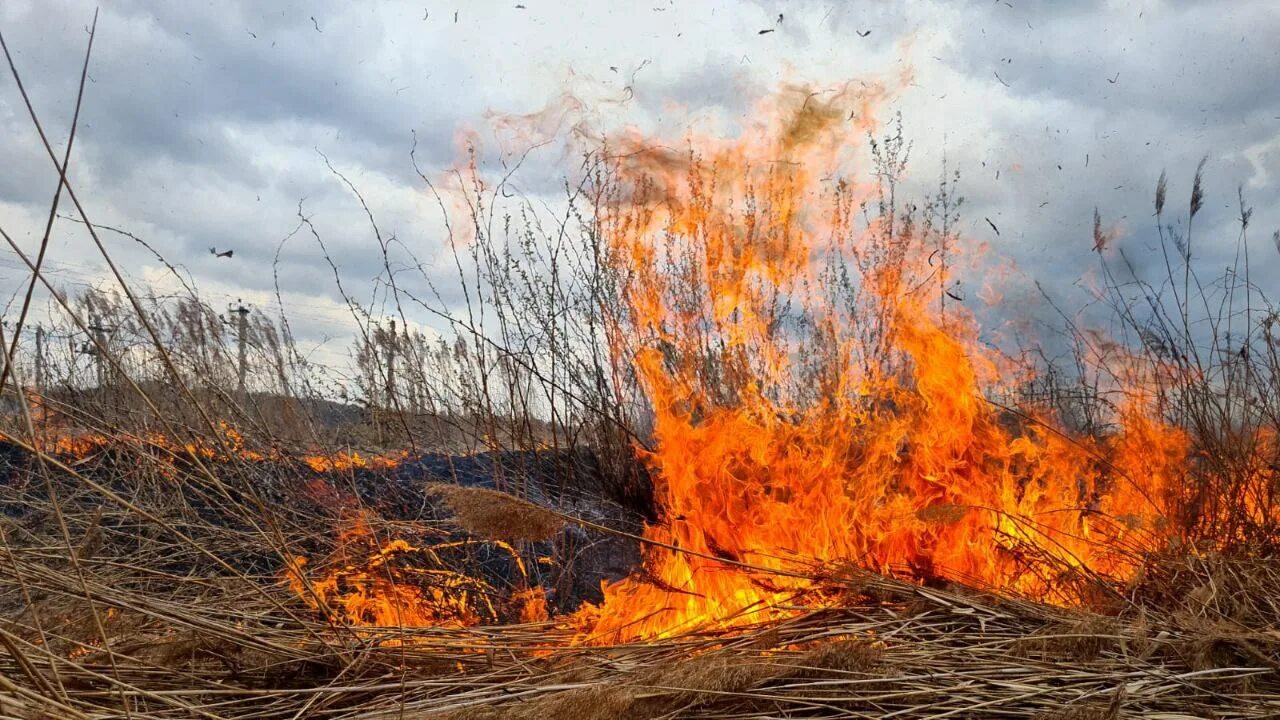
(375, 588)
(229, 444)
(369, 582)
(346, 461)
(815, 404)
(814, 407)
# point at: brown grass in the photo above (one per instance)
(496, 515)
(152, 589)
(849, 655)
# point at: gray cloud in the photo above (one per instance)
(203, 122)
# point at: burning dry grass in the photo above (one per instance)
(806, 397)
(959, 656)
(116, 634)
(152, 625)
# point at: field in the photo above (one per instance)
(715, 437)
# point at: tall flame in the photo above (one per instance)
(813, 405)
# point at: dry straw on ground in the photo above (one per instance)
(210, 648)
(497, 515)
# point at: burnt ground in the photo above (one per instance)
(311, 506)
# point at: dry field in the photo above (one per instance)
(722, 441)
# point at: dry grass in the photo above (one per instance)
(150, 587)
(1098, 710)
(953, 657)
(840, 656)
(497, 515)
(206, 643)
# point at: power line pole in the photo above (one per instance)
(242, 335)
(4, 355)
(99, 351)
(390, 343)
(40, 358)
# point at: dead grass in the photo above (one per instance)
(151, 587)
(1084, 639)
(849, 655)
(497, 515)
(1102, 710)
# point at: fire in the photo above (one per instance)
(815, 406)
(373, 586)
(346, 461)
(817, 403)
(370, 582)
(228, 444)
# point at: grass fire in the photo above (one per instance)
(641, 410)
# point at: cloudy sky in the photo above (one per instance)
(204, 123)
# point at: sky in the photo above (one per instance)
(212, 125)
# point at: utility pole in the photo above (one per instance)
(40, 358)
(390, 343)
(242, 335)
(99, 351)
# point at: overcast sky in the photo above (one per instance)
(204, 122)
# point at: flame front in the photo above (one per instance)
(226, 445)
(815, 405)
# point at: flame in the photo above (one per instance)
(373, 586)
(226, 445)
(348, 460)
(797, 430)
(817, 404)
(368, 582)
